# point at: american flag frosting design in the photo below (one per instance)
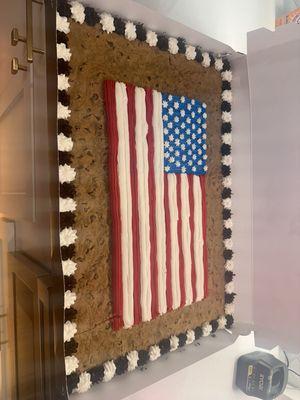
(184, 127)
(157, 168)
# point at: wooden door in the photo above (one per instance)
(31, 288)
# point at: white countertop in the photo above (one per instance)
(199, 371)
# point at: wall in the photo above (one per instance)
(242, 191)
(227, 21)
(273, 68)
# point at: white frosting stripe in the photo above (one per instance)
(125, 203)
(160, 210)
(141, 130)
(198, 238)
(186, 238)
(175, 280)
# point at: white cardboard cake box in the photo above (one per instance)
(266, 206)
